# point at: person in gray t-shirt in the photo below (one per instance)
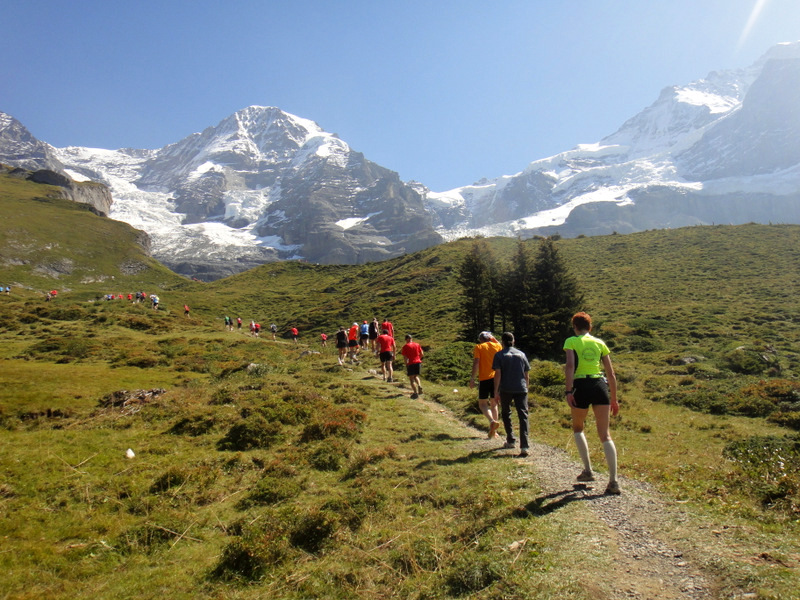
(511, 372)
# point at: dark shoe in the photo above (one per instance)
(613, 488)
(585, 476)
(419, 390)
(509, 445)
(523, 454)
(414, 396)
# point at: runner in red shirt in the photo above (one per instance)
(387, 325)
(352, 341)
(386, 348)
(412, 353)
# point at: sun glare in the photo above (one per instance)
(759, 6)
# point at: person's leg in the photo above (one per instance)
(602, 416)
(521, 404)
(505, 412)
(578, 422)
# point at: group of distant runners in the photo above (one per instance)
(378, 338)
(501, 373)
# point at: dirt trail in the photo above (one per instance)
(647, 565)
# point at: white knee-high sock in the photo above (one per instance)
(610, 451)
(583, 450)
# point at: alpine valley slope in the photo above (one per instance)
(724, 149)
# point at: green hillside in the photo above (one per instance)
(47, 243)
(264, 469)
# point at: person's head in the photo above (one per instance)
(484, 336)
(582, 322)
(385, 331)
(408, 337)
(508, 339)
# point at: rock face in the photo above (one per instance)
(19, 148)
(95, 194)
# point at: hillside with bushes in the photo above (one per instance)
(149, 453)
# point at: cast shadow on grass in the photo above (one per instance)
(461, 460)
(544, 505)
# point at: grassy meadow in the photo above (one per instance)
(263, 469)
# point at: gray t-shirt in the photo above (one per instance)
(513, 365)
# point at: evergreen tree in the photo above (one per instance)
(479, 278)
(518, 289)
(556, 297)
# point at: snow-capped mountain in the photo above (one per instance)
(262, 185)
(265, 185)
(724, 149)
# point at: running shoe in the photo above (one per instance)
(586, 476)
(613, 488)
(509, 445)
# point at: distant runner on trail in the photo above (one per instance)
(386, 349)
(341, 344)
(587, 358)
(412, 353)
(482, 356)
(373, 334)
(352, 341)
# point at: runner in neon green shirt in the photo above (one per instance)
(587, 358)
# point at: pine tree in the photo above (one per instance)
(479, 277)
(556, 297)
(518, 290)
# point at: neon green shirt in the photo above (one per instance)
(589, 350)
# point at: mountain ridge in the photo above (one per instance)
(265, 185)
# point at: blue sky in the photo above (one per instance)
(443, 92)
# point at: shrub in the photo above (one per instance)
(746, 361)
(452, 362)
(470, 574)
(194, 425)
(252, 432)
(640, 343)
(336, 421)
(272, 489)
(769, 468)
(172, 477)
(789, 419)
(314, 530)
(249, 556)
(329, 455)
(546, 374)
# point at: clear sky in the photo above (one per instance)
(443, 92)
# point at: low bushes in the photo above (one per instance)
(768, 467)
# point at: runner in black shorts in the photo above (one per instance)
(587, 358)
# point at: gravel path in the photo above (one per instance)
(647, 565)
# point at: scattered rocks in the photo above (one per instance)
(130, 402)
